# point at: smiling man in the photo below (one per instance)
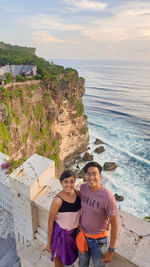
(99, 210)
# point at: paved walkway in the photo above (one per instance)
(8, 255)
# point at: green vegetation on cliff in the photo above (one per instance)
(17, 55)
(34, 114)
(77, 103)
(29, 119)
(17, 48)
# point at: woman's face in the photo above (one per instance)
(68, 184)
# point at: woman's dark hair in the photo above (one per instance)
(66, 174)
(92, 164)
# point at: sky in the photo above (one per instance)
(79, 29)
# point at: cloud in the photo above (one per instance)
(44, 37)
(127, 23)
(78, 5)
(42, 21)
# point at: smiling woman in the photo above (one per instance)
(61, 231)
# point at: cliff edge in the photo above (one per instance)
(45, 117)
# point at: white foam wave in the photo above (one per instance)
(132, 155)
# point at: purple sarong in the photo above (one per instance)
(64, 245)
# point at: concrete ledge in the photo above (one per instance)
(133, 243)
(119, 261)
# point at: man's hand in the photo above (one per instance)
(48, 248)
(107, 256)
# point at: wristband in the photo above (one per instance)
(111, 249)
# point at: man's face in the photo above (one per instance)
(93, 177)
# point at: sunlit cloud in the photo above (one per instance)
(85, 5)
(128, 23)
(43, 21)
(44, 37)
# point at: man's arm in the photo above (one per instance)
(113, 238)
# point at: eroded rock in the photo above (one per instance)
(108, 166)
(98, 141)
(99, 149)
(119, 198)
(87, 157)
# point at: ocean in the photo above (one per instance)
(117, 103)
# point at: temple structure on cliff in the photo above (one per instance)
(23, 70)
(27, 194)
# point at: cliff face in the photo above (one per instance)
(46, 117)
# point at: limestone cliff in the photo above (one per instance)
(46, 117)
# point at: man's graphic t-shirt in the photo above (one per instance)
(96, 208)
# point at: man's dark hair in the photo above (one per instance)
(92, 164)
(66, 174)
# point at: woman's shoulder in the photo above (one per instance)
(58, 199)
(56, 204)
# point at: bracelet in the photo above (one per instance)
(111, 249)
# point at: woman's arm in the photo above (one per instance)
(56, 204)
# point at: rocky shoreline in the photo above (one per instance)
(78, 163)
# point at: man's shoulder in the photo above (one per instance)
(107, 192)
(83, 186)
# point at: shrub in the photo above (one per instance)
(20, 78)
(8, 78)
(83, 130)
(4, 138)
(78, 105)
(55, 157)
(3, 89)
(47, 98)
(46, 147)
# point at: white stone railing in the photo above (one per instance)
(26, 183)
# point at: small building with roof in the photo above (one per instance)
(23, 70)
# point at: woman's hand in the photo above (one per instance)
(48, 248)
